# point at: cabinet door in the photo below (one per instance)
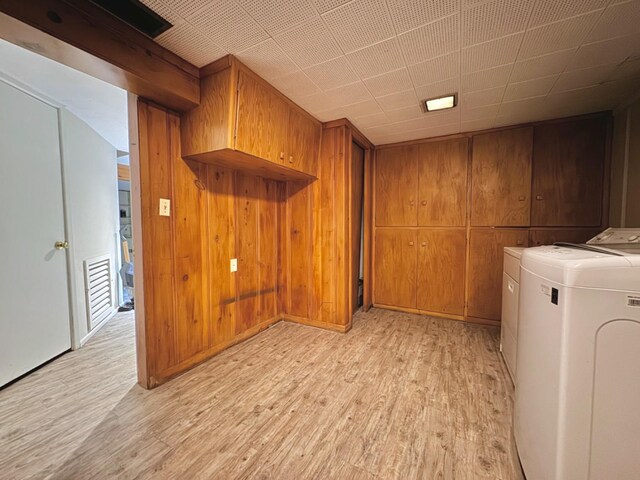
(501, 178)
(441, 267)
(568, 169)
(486, 254)
(396, 186)
(303, 143)
(262, 120)
(549, 236)
(442, 183)
(395, 267)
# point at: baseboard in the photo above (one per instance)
(98, 327)
(203, 356)
(460, 318)
(314, 323)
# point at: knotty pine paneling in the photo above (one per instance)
(194, 305)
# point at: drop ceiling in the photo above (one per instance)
(372, 61)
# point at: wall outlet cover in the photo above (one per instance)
(165, 207)
(234, 264)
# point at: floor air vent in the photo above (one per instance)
(99, 289)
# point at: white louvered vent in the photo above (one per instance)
(99, 289)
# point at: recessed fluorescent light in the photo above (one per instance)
(440, 103)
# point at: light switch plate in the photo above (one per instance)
(165, 207)
(234, 264)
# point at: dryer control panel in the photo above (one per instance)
(617, 236)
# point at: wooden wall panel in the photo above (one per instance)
(442, 178)
(549, 236)
(355, 220)
(396, 186)
(299, 218)
(501, 178)
(194, 305)
(395, 274)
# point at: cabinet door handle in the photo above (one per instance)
(538, 197)
(423, 203)
(281, 155)
(411, 244)
(290, 158)
(522, 198)
(424, 244)
(412, 203)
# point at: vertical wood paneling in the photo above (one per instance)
(268, 247)
(396, 184)
(247, 281)
(221, 239)
(299, 213)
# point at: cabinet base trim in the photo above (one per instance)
(314, 323)
(480, 321)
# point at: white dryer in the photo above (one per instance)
(577, 407)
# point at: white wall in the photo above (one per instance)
(625, 167)
(91, 197)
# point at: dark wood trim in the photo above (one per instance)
(79, 34)
(217, 66)
(490, 130)
(357, 135)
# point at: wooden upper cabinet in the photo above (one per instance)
(396, 267)
(442, 183)
(501, 178)
(244, 123)
(303, 142)
(568, 172)
(396, 186)
(441, 269)
(484, 275)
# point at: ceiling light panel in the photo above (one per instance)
(440, 103)
(359, 23)
(494, 19)
(429, 41)
(408, 15)
(309, 43)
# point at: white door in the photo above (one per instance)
(34, 301)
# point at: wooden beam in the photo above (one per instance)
(79, 34)
(357, 135)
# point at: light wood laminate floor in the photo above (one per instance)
(399, 397)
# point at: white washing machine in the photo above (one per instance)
(577, 407)
(510, 294)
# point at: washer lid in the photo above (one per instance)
(580, 267)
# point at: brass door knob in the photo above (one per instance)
(61, 245)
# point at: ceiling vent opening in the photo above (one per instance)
(137, 15)
(439, 103)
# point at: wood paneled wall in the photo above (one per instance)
(194, 305)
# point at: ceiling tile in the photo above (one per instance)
(627, 70)
(187, 42)
(541, 66)
(374, 120)
(549, 11)
(491, 54)
(360, 109)
(295, 85)
(438, 89)
(407, 113)
(605, 52)
(310, 43)
(390, 82)
(483, 79)
(186, 8)
(476, 125)
(359, 23)
(408, 14)
(529, 88)
(482, 97)
(617, 20)
(276, 16)
(397, 100)
(431, 40)
(376, 59)
(314, 103)
(326, 5)
(348, 94)
(435, 70)
(331, 74)
(494, 19)
(557, 36)
(228, 25)
(268, 60)
(584, 77)
(480, 113)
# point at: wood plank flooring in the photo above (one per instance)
(399, 397)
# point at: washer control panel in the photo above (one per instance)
(616, 236)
